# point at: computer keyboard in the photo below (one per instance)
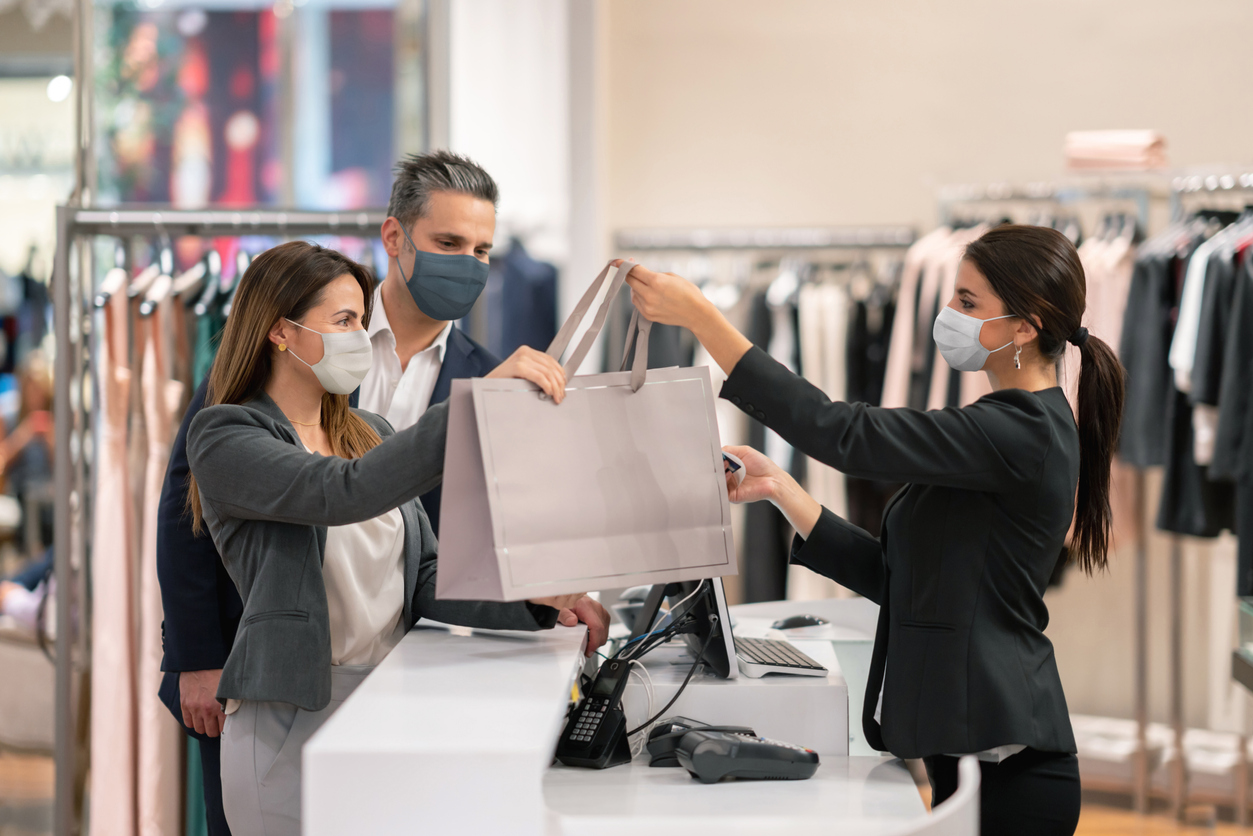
(775, 652)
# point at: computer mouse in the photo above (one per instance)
(792, 622)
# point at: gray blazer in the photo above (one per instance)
(267, 503)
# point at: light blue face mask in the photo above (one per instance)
(957, 337)
(444, 286)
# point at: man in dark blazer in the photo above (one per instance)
(447, 205)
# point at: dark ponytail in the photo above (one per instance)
(1101, 391)
(1036, 272)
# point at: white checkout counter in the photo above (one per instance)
(455, 733)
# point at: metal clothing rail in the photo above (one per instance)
(768, 238)
(72, 295)
(1206, 184)
(1139, 191)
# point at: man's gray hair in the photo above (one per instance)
(418, 176)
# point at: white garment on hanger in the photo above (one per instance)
(1188, 326)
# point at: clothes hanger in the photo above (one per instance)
(242, 261)
(163, 265)
(190, 280)
(213, 283)
(114, 280)
(158, 293)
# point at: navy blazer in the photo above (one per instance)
(202, 606)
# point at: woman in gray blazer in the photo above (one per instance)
(961, 664)
(314, 509)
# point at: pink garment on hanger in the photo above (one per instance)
(901, 346)
(160, 739)
(112, 781)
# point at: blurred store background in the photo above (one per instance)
(734, 141)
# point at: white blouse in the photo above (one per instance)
(363, 569)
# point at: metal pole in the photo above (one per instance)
(1141, 779)
(1179, 769)
(63, 811)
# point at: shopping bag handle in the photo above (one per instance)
(561, 342)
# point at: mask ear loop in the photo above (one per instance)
(1008, 344)
(283, 346)
(415, 255)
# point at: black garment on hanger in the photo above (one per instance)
(1191, 503)
(1148, 325)
(765, 549)
(869, 335)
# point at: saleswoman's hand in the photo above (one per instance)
(528, 364)
(673, 300)
(766, 480)
(665, 297)
(763, 479)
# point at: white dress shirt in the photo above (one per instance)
(399, 396)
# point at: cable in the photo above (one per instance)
(673, 622)
(713, 629)
(647, 679)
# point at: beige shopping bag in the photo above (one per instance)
(621, 484)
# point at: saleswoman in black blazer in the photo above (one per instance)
(961, 664)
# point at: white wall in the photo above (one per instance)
(510, 112)
(733, 112)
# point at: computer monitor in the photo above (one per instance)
(711, 600)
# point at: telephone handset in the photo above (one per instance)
(595, 732)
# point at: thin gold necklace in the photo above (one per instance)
(305, 423)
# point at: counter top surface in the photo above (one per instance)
(455, 732)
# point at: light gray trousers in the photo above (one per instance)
(261, 746)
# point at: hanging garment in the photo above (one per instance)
(112, 780)
(822, 311)
(1147, 329)
(522, 302)
(870, 334)
(901, 345)
(160, 740)
(763, 571)
(1235, 393)
(1213, 325)
(1190, 502)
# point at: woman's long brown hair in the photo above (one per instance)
(283, 282)
(1036, 272)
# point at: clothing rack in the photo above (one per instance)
(1067, 194)
(1184, 186)
(73, 297)
(768, 238)
(1142, 193)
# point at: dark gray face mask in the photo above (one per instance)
(444, 286)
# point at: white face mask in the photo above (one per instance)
(957, 337)
(346, 358)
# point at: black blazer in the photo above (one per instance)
(202, 606)
(966, 553)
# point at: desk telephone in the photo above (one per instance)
(595, 732)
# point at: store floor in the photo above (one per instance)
(26, 788)
(1110, 815)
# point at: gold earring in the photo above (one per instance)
(282, 346)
